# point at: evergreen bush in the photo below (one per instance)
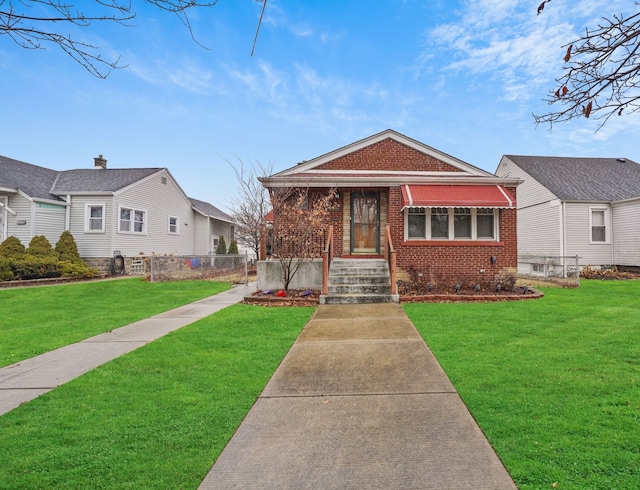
(39, 246)
(67, 249)
(36, 267)
(221, 249)
(12, 248)
(233, 248)
(6, 272)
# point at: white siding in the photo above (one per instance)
(539, 229)
(578, 233)
(22, 207)
(626, 233)
(207, 228)
(202, 235)
(50, 221)
(91, 244)
(160, 197)
(530, 192)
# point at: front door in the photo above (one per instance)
(365, 223)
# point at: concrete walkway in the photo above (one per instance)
(28, 379)
(359, 402)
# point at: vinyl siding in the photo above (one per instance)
(539, 229)
(578, 236)
(626, 233)
(159, 201)
(23, 208)
(202, 239)
(91, 244)
(530, 192)
(49, 221)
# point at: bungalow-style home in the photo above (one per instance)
(133, 212)
(445, 220)
(585, 207)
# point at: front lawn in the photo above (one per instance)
(157, 417)
(40, 319)
(554, 383)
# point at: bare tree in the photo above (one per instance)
(32, 24)
(251, 202)
(601, 71)
(299, 227)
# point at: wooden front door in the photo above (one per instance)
(365, 223)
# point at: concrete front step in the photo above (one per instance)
(381, 279)
(353, 281)
(360, 288)
(352, 299)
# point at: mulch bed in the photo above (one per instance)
(312, 297)
(298, 297)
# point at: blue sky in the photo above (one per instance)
(463, 77)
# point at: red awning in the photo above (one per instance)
(459, 196)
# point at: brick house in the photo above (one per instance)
(444, 219)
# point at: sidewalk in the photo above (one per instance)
(28, 379)
(359, 402)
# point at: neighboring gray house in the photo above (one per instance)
(588, 207)
(132, 212)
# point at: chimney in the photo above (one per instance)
(100, 162)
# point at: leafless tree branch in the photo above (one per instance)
(600, 73)
(31, 24)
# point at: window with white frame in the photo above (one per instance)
(598, 218)
(451, 224)
(94, 218)
(174, 225)
(486, 224)
(132, 220)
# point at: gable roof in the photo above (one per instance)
(43, 183)
(210, 210)
(583, 179)
(33, 180)
(84, 181)
(310, 172)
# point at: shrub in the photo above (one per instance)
(39, 246)
(34, 267)
(68, 268)
(67, 249)
(233, 248)
(222, 247)
(6, 272)
(12, 247)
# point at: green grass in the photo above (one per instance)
(37, 320)
(554, 383)
(155, 418)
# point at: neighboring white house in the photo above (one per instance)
(588, 207)
(129, 212)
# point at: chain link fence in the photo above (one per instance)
(561, 269)
(224, 268)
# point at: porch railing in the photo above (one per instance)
(390, 257)
(327, 254)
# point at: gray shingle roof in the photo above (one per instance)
(99, 180)
(31, 179)
(210, 210)
(43, 183)
(583, 179)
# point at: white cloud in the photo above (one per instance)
(506, 40)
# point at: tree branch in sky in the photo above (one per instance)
(32, 24)
(600, 73)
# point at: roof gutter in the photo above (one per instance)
(373, 181)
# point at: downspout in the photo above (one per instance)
(611, 241)
(67, 218)
(563, 237)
